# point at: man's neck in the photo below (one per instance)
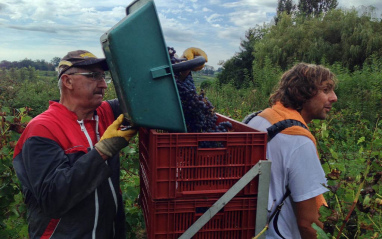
(82, 114)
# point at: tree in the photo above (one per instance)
(55, 61)
(315, 7)
(208, 70)
(5, 64)
(284, 6)
(338, 36)
(38, 64)
(238, 69)
(305, 8)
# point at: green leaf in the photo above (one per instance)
(334, 153)
(6, 110)
(130, 150)
(348, 197)
(366, 201)
(360, 140)
(26, 119)
(320, 233)
(9, 118)
(377, 142)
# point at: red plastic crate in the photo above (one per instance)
(169, 219)
(176, 166)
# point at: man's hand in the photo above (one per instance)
(114, 139)
(190, 54)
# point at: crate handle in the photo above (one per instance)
(211, 144)
(199, 192)
(202, 210)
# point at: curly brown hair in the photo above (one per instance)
(300, 84)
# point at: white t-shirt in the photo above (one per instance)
(294, 163)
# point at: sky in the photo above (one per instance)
(44, 29)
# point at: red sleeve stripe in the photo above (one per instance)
(50, 228)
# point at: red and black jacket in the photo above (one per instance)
(70, 191)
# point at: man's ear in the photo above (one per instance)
(67, 81)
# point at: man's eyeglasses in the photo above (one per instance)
(96, 76)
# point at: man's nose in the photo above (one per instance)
(102, 83)
(333, 97)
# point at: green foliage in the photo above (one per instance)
(352, 160)
(130, 189)
(238, 70)
(304, 8)
(320, 233)
(232, 102)
(12, 208)
(315, 7)
(266, 78)
(338, 36)
(206, 84)
(200, 77)
(284, 7)
(27, 87)
(55, 61)
(110, 92)
(361, 90)
(37, 64)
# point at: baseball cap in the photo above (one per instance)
(80, 58)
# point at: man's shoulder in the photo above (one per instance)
(259, 123)
(48, 123)
(45, 118)
(298, 140)
(109, 108)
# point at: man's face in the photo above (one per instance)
(88, 91)
(320, 104)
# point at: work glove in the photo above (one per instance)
(190, 54)
(115, 139)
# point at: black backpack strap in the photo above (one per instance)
(281, 125)
(251, 116)
(276, 213)
(276, 128)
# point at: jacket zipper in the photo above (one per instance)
(83, 129)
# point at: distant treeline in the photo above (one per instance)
(37, 64)
(43, 65)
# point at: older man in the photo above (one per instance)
(69, 173)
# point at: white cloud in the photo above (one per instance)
(43, 29)
(214, 18)
(247, 19)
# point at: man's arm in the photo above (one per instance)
(306, 214)
(57, 183)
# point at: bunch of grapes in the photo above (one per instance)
(197, 109)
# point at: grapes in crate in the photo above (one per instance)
(197, 109)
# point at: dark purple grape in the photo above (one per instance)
(197, 109)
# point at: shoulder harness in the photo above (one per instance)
(272, 131)
(275, 128)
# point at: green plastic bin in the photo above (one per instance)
(140, 66)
